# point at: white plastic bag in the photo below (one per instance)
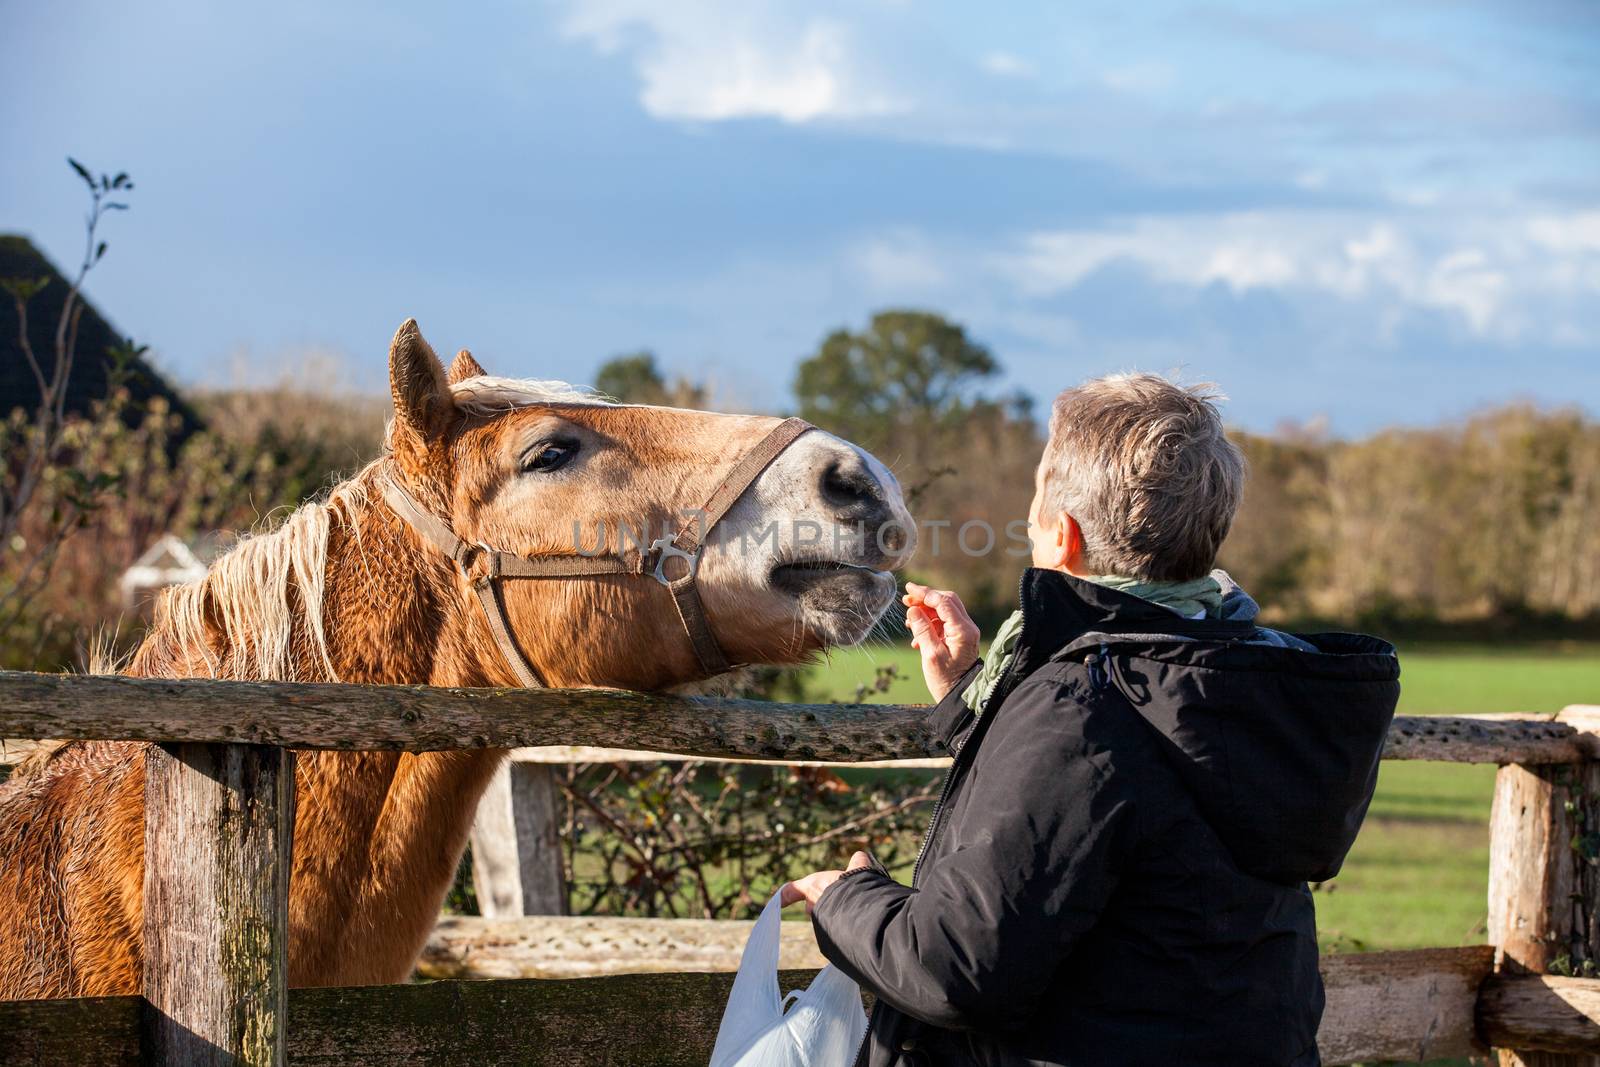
(823, 1028)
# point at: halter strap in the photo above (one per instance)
(690, 540)
(686, 546)
(500, 564)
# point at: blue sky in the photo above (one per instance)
(1372, 213)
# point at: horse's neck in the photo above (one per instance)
(378, 835)
(378, 838)
(392, 616)
(393, 610)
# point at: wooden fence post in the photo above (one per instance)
(1544, 879)
(218, 826)
(517, 865)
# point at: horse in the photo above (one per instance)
(350, 588)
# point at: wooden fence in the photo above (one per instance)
(226, 746)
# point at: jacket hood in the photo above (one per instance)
(1277, 735)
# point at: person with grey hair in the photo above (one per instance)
(1143, 781)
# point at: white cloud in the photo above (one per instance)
(1577, 232)
(1203, 96)
(1467, 281)
(1493, 274)
(1007, 65)
(1242, 251)
(708, 60)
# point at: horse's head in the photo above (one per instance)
(800, 561)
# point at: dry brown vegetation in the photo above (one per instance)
(263, 451)
(1489, 518)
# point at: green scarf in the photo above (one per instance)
(1186, 598)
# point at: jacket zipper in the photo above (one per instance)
(944, 795)
(861, 1046)
(916, 868)
(999, 691)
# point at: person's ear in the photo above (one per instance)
(1071, 541)
(1056, 543)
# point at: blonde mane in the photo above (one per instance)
(251, 592)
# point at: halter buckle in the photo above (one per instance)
(663, 549)
(463, 556)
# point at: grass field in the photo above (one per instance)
(1418, 874)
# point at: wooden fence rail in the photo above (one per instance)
(1404, 1006)
(422, 718)
(218, 826)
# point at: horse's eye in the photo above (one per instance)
(552, 455)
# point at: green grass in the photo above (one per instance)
(1441, 680)
(1418, 874)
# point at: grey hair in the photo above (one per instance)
(1146, 469)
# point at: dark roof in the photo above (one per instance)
(88, 383)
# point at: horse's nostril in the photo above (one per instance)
(849, 486)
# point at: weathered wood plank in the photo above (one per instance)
(661, 1019)
(216, 903)
(1551, 1014)
(422, 718)
(588, 946)
(1489, 739)
(1390, 1005)
(1492, 738)
(1412, 1005)
(570, 754)
(92, 1031)
(517, 865)
(1544, 886)
(1403, 1006)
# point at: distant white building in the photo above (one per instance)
(167, 562)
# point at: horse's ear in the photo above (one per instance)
(464, 367)
(422, 403)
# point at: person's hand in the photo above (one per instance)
(943, 632)
(810, 888)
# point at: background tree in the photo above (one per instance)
(634, 378)
(913, 388)
(908, 373)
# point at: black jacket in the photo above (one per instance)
(1115, 874)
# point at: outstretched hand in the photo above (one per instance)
(944, 634)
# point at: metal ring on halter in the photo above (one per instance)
(464, 552)
(663, 549)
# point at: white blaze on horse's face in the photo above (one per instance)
(814, 539)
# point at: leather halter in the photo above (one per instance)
(686, 547)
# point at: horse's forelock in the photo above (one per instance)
(489, 395)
